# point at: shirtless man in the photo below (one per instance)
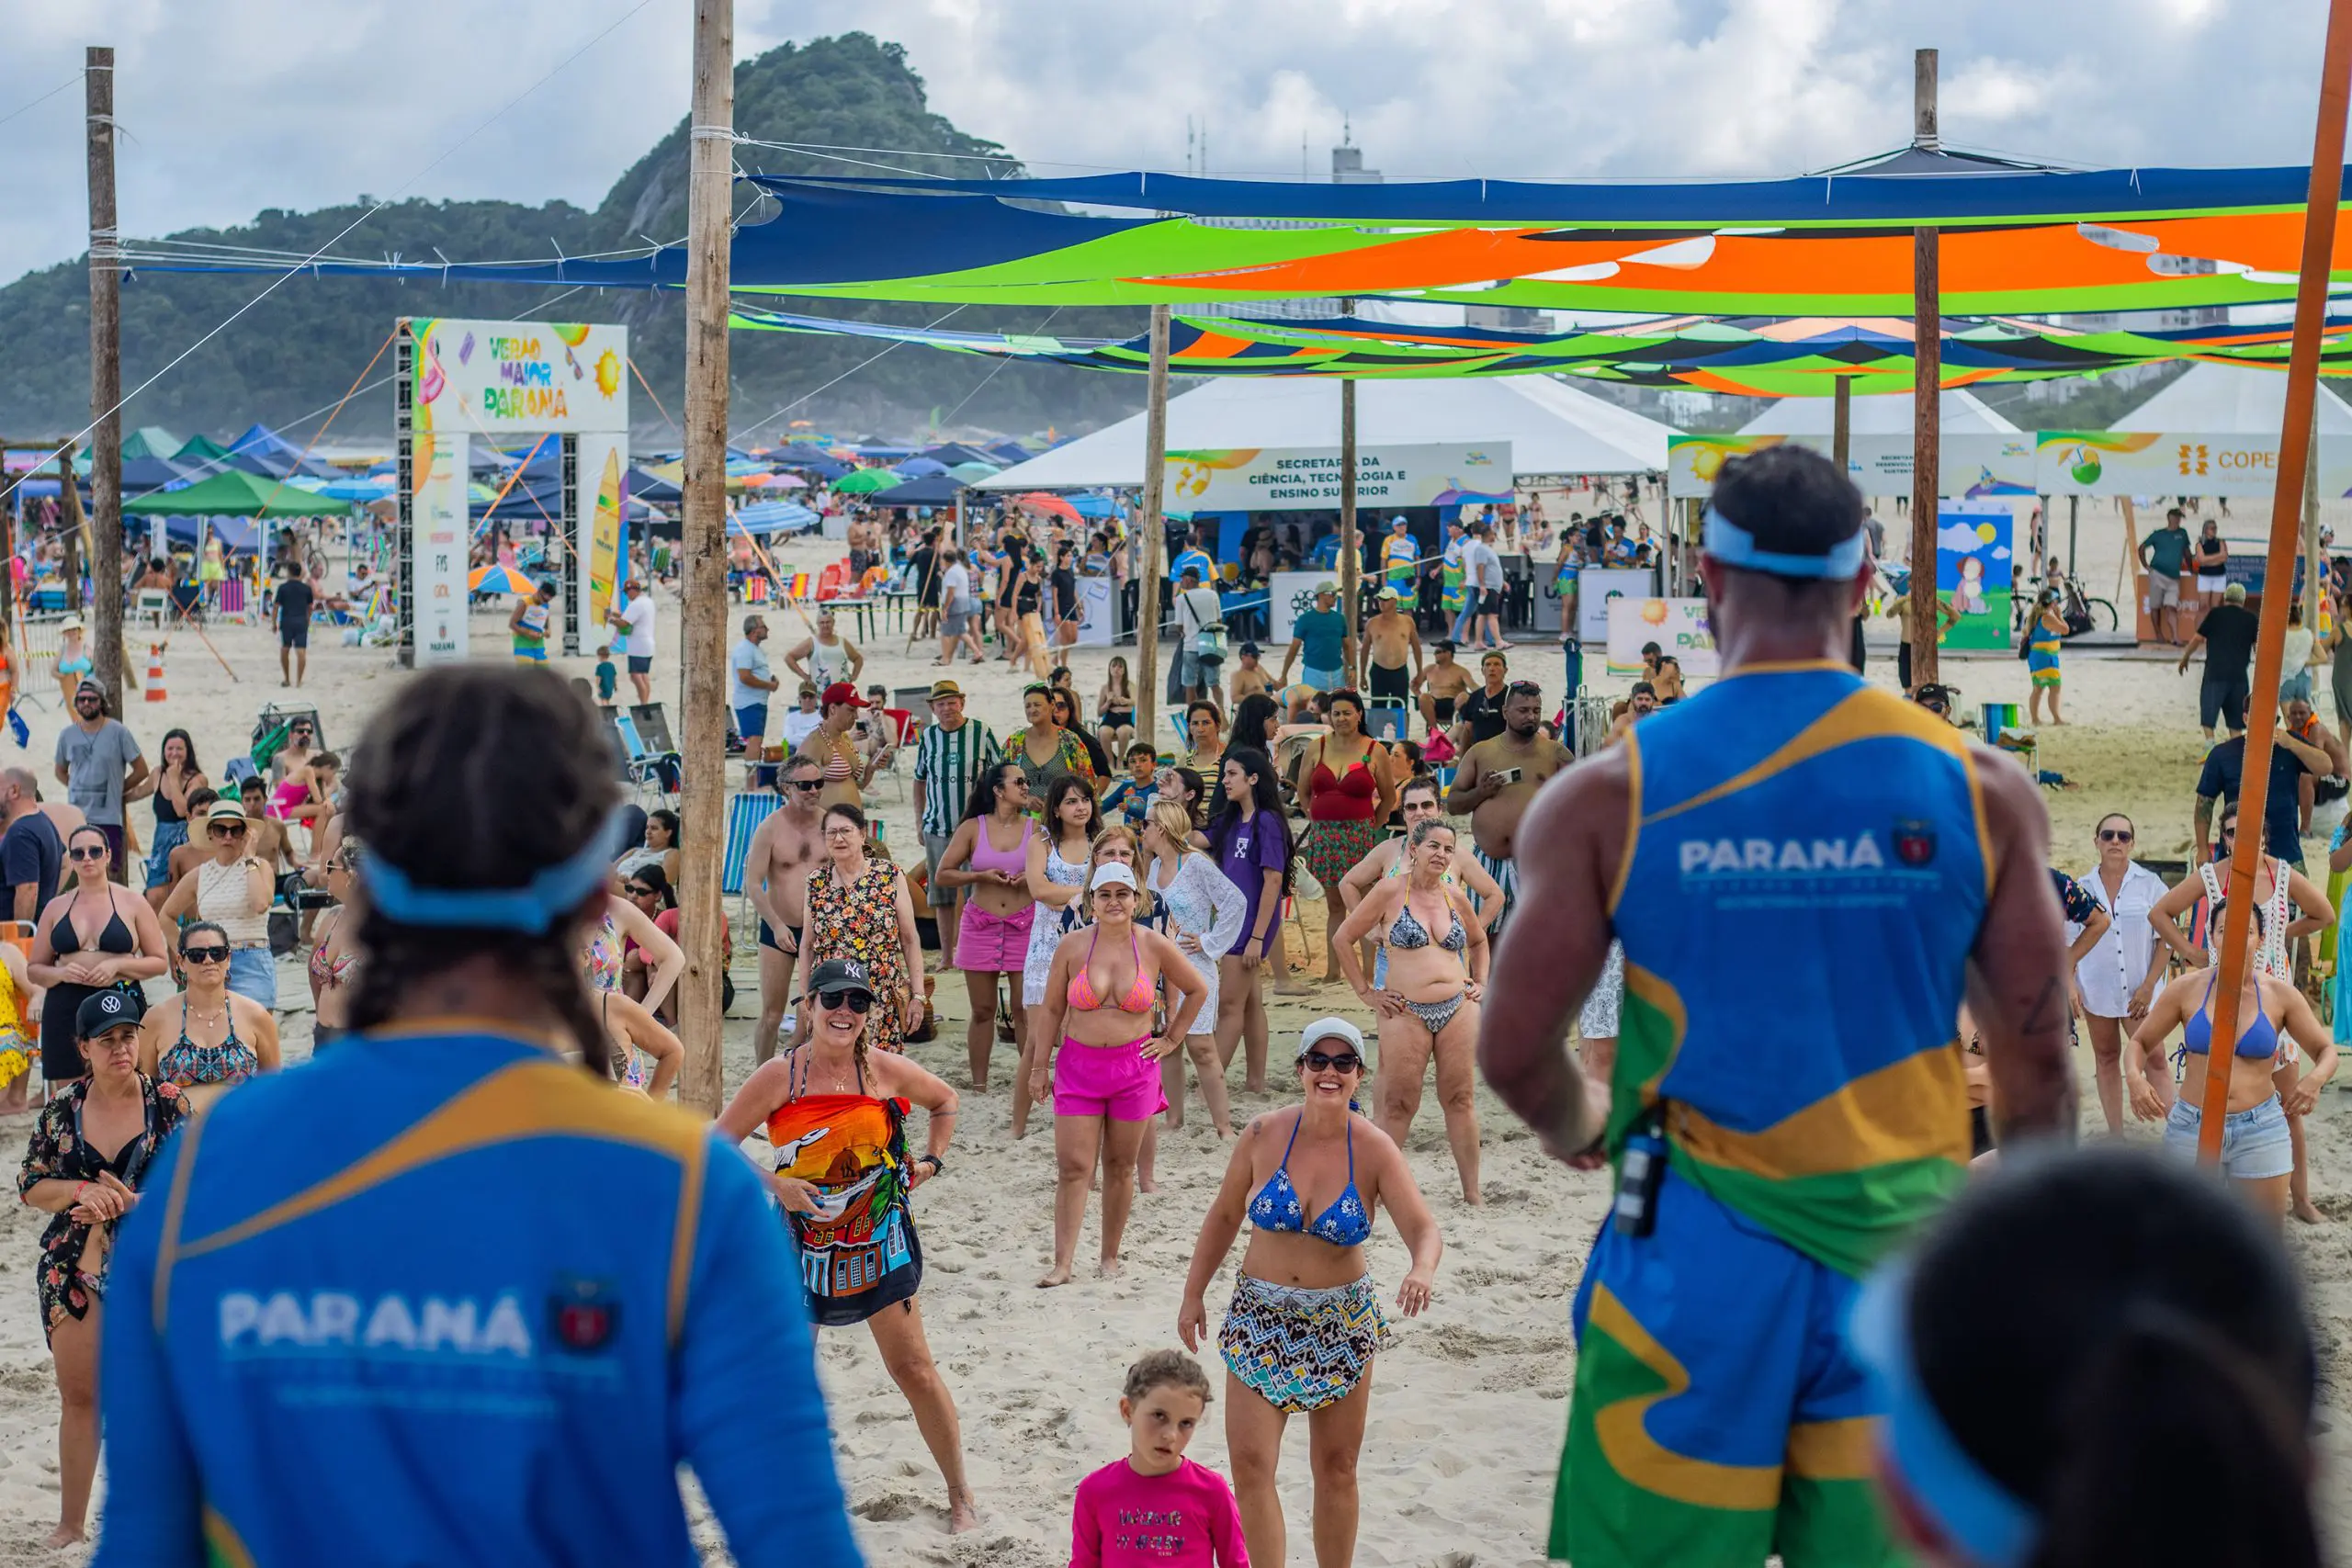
(1640, 705)
(1417, 802)
(1496, 780)
(1663, 672)
(1440, 685)
(782, 853)
(1390, 638)
(1249, 678)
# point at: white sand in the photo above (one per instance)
(1470, 1402)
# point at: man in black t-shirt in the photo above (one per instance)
(293, 599)
(1480, 717)
(32, 857)
(2282, 823)
(2227, 634)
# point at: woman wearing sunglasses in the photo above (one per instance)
(93, 936)
(858, 907)
(334, 958)
(2119, 976)
(208, 1038)
(2291, 908)
(1098, 1057)
(1304, 1322)
(90, 1154)
(233, 890)
(835, 1111)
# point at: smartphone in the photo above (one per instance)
(1507, 775)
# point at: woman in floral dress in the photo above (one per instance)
(858, 907)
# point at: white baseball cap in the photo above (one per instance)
(1111, 873)
(1324, 1029)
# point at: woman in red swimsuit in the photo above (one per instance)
(1345, 782)
(1105, 1076)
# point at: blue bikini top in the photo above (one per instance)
(2260, 1039)
(1277, 1206)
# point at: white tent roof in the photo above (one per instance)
(1882, 413)
(1551, 428)
(2230, 400)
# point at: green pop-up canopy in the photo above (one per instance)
(235, 494)
(866, 482)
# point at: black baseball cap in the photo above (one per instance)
(838, 976)
(103, 1010)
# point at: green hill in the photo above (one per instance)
(299, 350)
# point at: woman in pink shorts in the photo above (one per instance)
(1104, 1079)
(990, 854)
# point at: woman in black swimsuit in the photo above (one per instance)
(94, 935)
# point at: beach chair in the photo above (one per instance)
(745, 812)
(652, 772)
(903, 732)
(654, 725)
(152, 605)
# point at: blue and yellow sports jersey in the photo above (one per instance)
(1807, 870)
(440, 1297)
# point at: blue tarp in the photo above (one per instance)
(261, 450)
(938, 490)
(141, 475)
(238, 536)
(646, 487)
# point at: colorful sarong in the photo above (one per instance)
(2041, 659)
(1333, 848)
(858, 1252)
(1300, 1350)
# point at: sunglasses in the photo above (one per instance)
(1523, 689)
(637, 892)
(88, 852)
(204, 955)
(227, 830)
(2115, 835)
(856, 1001)
(808, 786)
(1345, 1061)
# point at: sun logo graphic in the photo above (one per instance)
(608, 373)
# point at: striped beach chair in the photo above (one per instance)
(744, 814)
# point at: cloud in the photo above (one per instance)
(1960, 537)
(298, 103)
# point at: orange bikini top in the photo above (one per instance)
(1082, 984)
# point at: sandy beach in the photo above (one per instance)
(1470, 1401)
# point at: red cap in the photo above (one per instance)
(843, 691)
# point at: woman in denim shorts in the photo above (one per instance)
(2273, 1018)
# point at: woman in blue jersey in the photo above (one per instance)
(447, 1295)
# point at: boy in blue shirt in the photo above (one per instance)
(1133, 794)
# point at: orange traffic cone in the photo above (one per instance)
(156, 672)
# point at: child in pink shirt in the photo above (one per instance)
(1155, 1508)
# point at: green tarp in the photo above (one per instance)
(235, 494)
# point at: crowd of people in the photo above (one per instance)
(1746, 997)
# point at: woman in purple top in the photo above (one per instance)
(1251, 839)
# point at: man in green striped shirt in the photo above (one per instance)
(952, 754)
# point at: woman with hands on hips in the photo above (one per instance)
(1304, 1322)
(1098, 1058)
(1436, 971)
(834, 1113)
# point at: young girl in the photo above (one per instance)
(1194, 1522)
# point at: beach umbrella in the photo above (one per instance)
(1038, 501)
(866, 482)
(499, 580)
(787, 482)
(973, 473)
(920, 467)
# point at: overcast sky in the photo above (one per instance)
(235, 106)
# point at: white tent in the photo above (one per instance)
(2230, 400)
(1551, 428)
(1884, 414)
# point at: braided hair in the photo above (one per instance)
(530, 771)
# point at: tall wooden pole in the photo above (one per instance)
(68, 508)
(1926, 391)
(106, 381)
(1841, 422)
(1155, 534)
(1351, 546)
(2314, 564)
(709, 199)
(2287, 504)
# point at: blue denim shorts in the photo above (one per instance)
(253, 973)
(2253, 1142)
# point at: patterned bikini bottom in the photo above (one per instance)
(1299, 1348)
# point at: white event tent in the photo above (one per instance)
(1551, 428)
(1885, 414)
(2230, 400)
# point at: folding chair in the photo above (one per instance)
(745, 812)
(903, 730)
(152, 605)
(649, 770)
(654, 725)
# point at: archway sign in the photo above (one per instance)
(504, 382)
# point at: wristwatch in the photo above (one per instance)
(938, 1165)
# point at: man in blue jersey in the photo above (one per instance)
(1806, 873)
(448, 1294)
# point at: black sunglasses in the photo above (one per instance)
(1523, 689)
(2115, 835)
(227, 830)
(638, 890)
(808, 786)
(856, 1001)
(204, 955)
(1346, 1061)
(86, 851)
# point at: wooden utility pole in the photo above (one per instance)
(106, 381)
(709, 202)
(1926, 391)
(1350, 546)
(1841, 422)
(69, 509)
(1155, 534)
(2287, 502)
(2314, 564)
